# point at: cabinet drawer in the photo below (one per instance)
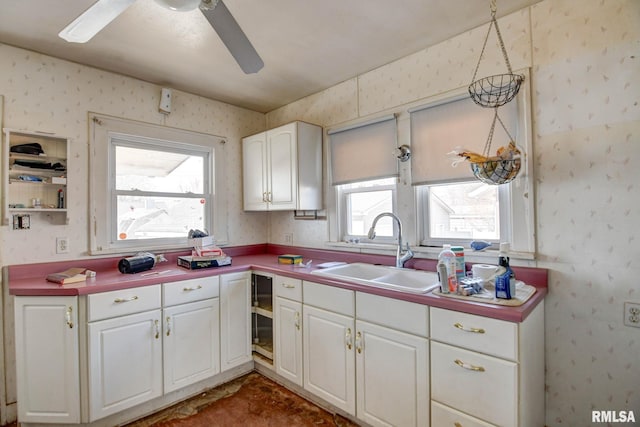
(328, 297)
(483, 386)
(396, 314)
(119, 303)
(191, 290)
(483, 334)
(289, 288)
(443, 416)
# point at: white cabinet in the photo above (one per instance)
(328, 338)
(191, 350)
(367, 355)
(472, 354)
(288, 329)
(47, 358)
(235, 320)
(124, 352)
(35, 178)
(282, 168)
(392, 362)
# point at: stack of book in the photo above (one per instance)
(204, 257)
(67, 277)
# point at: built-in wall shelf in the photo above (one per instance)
(34, 174)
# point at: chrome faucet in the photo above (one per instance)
(400, 257)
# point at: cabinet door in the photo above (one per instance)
(254, 172)
(288, 340)
(283, 167)
(392, 376)
(191, 343)
(329, 361)
(235, 319)
(125, 362)
(47, 359)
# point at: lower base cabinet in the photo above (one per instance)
(125, 362)
(364, 354)
(372, 357)
(191, 350)
(47, 350)
(392, 376)
(486, 371)
(126, 348)
(235, 320)
(329, 361)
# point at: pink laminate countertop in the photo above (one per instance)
(30, 279)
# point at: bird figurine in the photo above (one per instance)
(479, 245)
(509, 152)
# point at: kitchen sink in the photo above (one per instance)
(382, 276)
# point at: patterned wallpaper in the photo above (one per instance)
(585, 66)
(586, 114)
(53, 95)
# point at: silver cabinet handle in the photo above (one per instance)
(68, 317)
(193, 288)
(349, 339)
(168, 325)
(359, 342)
(157, 325)
(121, 300)
(297, 320)
(462, 328)
(468, 366)
(288, 285)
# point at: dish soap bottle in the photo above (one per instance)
(505, 282)
(447, 262)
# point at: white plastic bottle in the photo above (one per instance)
(448, 258)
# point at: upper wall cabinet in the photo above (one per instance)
(282, 168)
(35, 177)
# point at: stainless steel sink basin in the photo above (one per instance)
(381, 276)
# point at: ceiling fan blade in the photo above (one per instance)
(233, 37)
(94, 19)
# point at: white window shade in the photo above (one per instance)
(364, 151)
(438, 129)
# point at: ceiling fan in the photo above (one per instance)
(98, 16)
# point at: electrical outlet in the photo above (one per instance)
(62, 245)
(632, 314)
(288, 238)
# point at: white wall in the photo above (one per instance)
(585, 64)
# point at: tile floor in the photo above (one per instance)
(249, 401)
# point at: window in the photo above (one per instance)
(454, 207)
(151, 184)
(364, 172)
(160, 191)
(361, 202)
(462, 212)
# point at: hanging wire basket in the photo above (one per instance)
(496, 172)
(495, 91)
(500, 169)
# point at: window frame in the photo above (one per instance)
(422, 201)
(206, 153)
(516, 197)
(104, 130)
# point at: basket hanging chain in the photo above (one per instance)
(487, 145)
(493, 22)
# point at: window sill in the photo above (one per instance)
(489, 256)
